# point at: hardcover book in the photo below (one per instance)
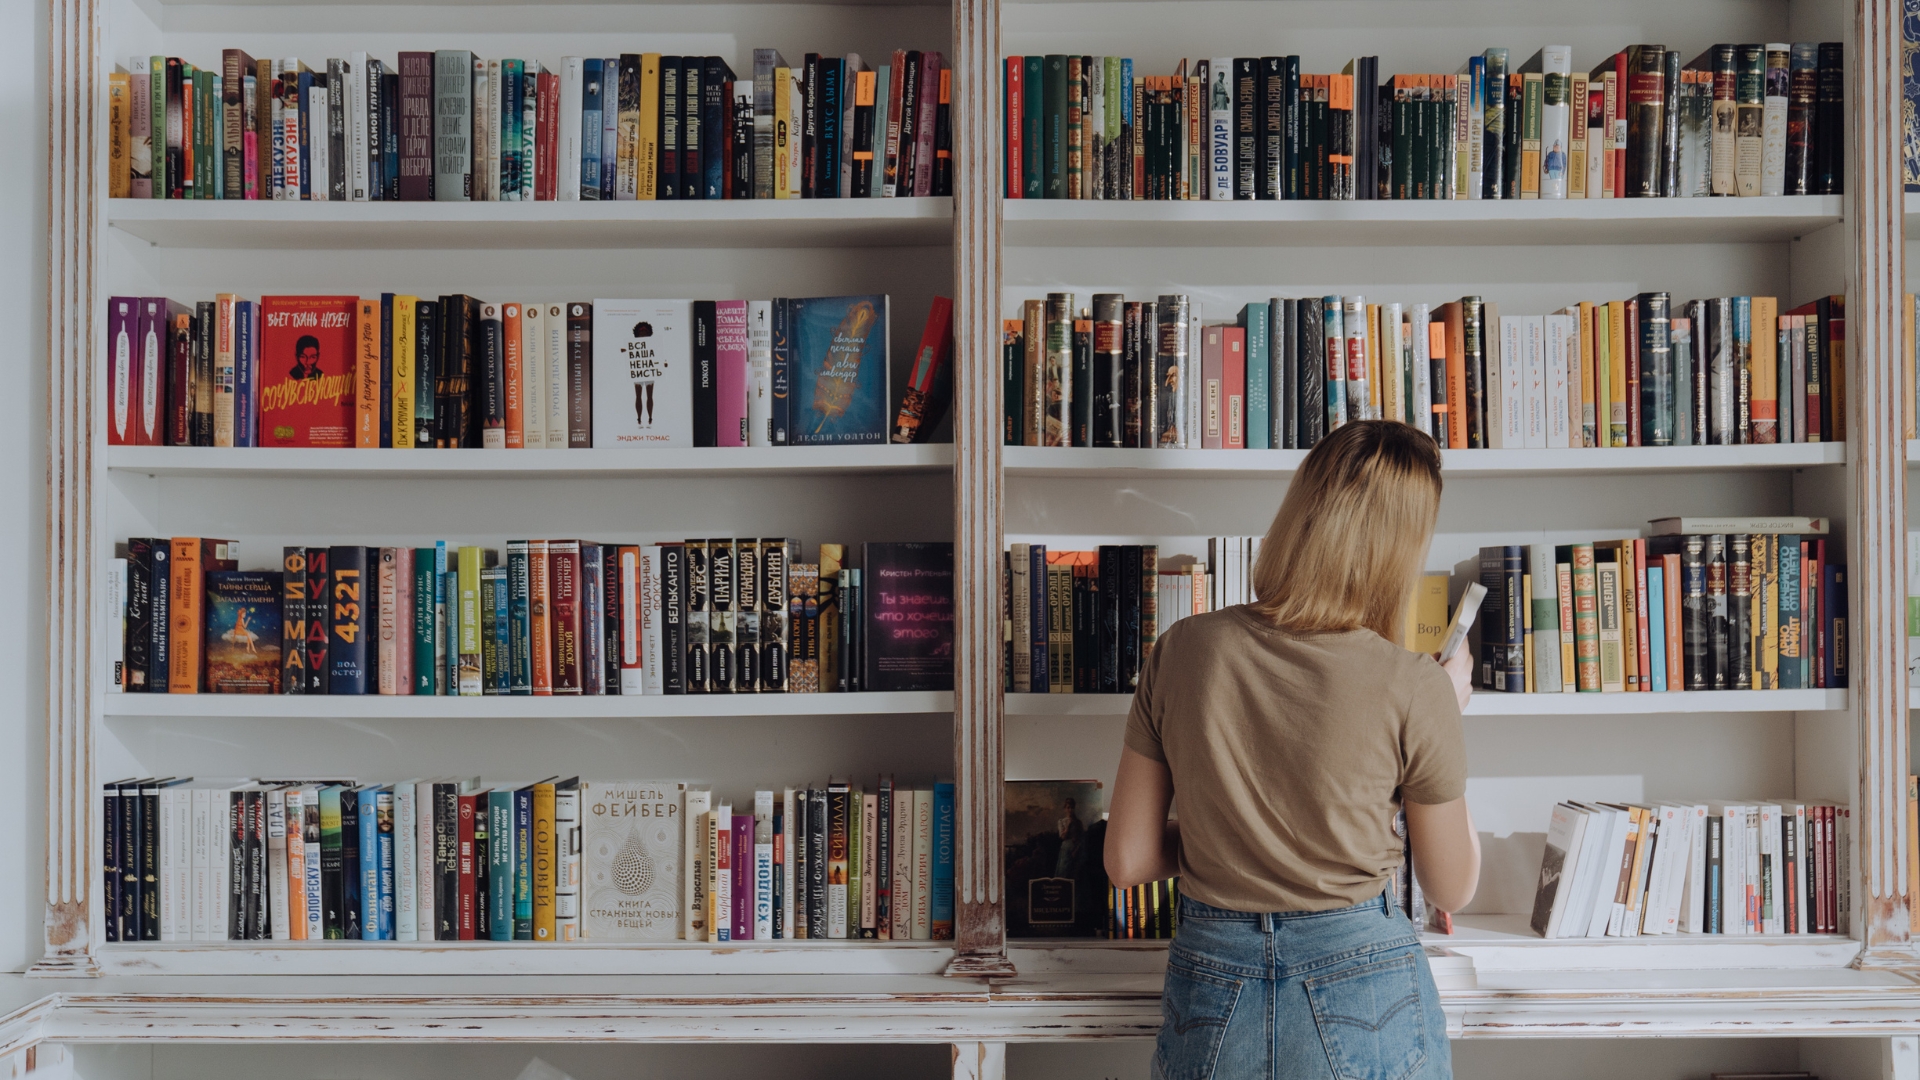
(243, 632)
(307, 370)
(909, 632)
(645, 344)
(632, 860)
(841, 369)
(1056, 876)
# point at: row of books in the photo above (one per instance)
(449, 126)
(551, 861)
(1737, 120)
(1702, 604)
(554, 617)
(1636, 372)
(1645, 869)
(399, 371)
(1081, 621)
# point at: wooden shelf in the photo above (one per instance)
(282, 462)
(392, 707)
(486, 958)
(1255, 464)
(1497, 704)
(1396, 223)
(753, 223)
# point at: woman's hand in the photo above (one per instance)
(1460, 670)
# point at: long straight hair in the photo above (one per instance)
(1352, 532)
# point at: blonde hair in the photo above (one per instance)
(1352, 533)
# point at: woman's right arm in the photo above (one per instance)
(1141, 845)
(1446, 852)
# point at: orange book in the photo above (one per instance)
(516, 391)
(539, 617)
(1764, 364)
(1451, 314)
(1442, 410)
(366, 378)
(1836, 378)
(192, 558)
(1676, 645)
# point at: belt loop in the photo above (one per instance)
(1386, 906)
(1266, 922)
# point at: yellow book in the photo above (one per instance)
(1763, 362)
(1608, 606)
(1602, 377)
(1629, 615)
(1376, 408)
(1569, 675)
(1768, 567)
(1617, 372)
(782, 92)
(1589, 398)
(1426, 616)
(1644, 840)
(545, 862)
(403, 384)
(472, 561)
(647, 164)
(366, 378)
(832, 558)
(1532, 100)
(1577, 140)
(1526, 626)
(119, 136)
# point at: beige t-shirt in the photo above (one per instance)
(1290, 756)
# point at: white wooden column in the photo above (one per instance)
(75, 127)
(988, 1061)
(979, 706)
(1877, 390)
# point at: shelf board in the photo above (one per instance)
(1497, 704)
(1259, 464)
(286, 462)
(1499, 943)
(753, 223)
(482, 958)
(391, 707)
(1403, 223)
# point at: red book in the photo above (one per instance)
(1016, 122)
(1620, 125)
(467, 810)
(563, 605)
(920, 407)
(1233, 367)
(1815, 619)
(179, 353)
(547, 138)
(307, 368)
(1212, 388)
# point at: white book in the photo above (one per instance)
(1533, 385)
(787, 870)
(199, 858)
(310, 841)
(533, 378)
(1773, 869)
(1547, 677)
(1773, 120)
(1513, 383)
(179, 883)
(902, 868)
(1693, 903)
(566, 885)
(567, 145)
(922, 864)
(1558, 860)
(1666, 836)
(647, 346)
(720, 878)
(763, 866)
(693, 857)
(1561, 358)
(1625, 921)
(116, 626)
(650, 625)
(553, 321)
(1501, 350)
(220, 863)
(492, 146)
(277, 892)
(164, 836)
(1556, 147)
(633, 587)
(406, 861)
(759, 373)
(355, 107)
(1605, 900)
(1796, 815)
(1733, 863)
(1676, 879)
(424, 903)
(318, 171)
(1189, 378)
(1417, 328)
(1586, 874)
(1220, 127)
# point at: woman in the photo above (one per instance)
(1293, 729)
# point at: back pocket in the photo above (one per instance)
(1371, 1020)
(1195, 1008)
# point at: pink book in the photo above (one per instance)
(1233, 387)
(743, 877)
(930, 65)
(1213, 398)
(730, 347)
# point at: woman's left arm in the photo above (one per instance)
(1141, 845)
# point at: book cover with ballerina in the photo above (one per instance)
(840, 370)
(243, 632)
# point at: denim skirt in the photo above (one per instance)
(1301, 995)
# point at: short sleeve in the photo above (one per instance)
(1433, 745)
(1143, 722)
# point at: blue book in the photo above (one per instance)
(500, 864)
(840, 366)
(512, 100)
(940, 905)
(1656, 627)
(1259, 396)
(450, 591)
(502, 674)
(243, 632)
(383, 826)
(519, 614)
(1793, 634)
(370, 864)
(590, 131)
(609, 120)
(523, 864)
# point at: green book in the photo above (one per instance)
(1112, 148)
(425, 629)
(1533, 102)
(203, 154)
(1401, 176)
(1259, 412)
(332, 866)
(1031, 155)
(500, 864)
(217, 137)
(1053, 134)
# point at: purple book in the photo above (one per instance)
(743, 877)
(123, 370)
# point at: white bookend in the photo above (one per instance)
(572, 72)
(533, 378)
(406, 861)
(1561, 359)
(693, 857)
(424, 904)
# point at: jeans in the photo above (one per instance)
(1300, 995)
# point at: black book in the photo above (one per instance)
(775, 619)
(694, 133)
(259, 903)
(374, 104)
(483, 913)
(722, 581)
(293, 620)
(446, 861)
(1473, 335)
(611, 615)
(593, 622)
(1132, 367)
(1310, 339)
(1080, 427)
(910, 130)
(1365, 140)
(1038, 617)
(146, 856)
(1697, 312)
(672, 111)
(493, 379)
(1830, 122)
(426, 327)
(706, 375)
(1107, 614)
(1271, 122)
(1670, 123)
(740, 174)
(817, 863)
(714, 108)
(673, 618)
(389, 183)
(1646, 78)
(1656, 368)
(1127, 599)
(1510, 138)
(943, 133)
(826, 174)
(236, 826)
(802, 813)
(1740, 569)
(332, 883)
(347, 603)
(1246, 127)
(907, 626)
(696, 616)
(1105, 395)
(370, 618)
(1719, 656)
(1086, 630)
(1283, 374)
(749, 609)
(202, 346)
(336, 133)
(138, 654)
(350, 856)
(111, 859)
(1322, 142)
(1384, 129)
(128, 796)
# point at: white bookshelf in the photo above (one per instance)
(744, 461)
(1056, 461)
(397, 707)
(1487, 703)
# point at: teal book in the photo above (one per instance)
(1030, 153)
(841, 366)
(369, 823)
(523, 864)
(500, 863)
(1656, 628)
(940, 907)
(425, 627)
(243, 632)
(1259, 395)
(1053, 135)
(519, 622)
